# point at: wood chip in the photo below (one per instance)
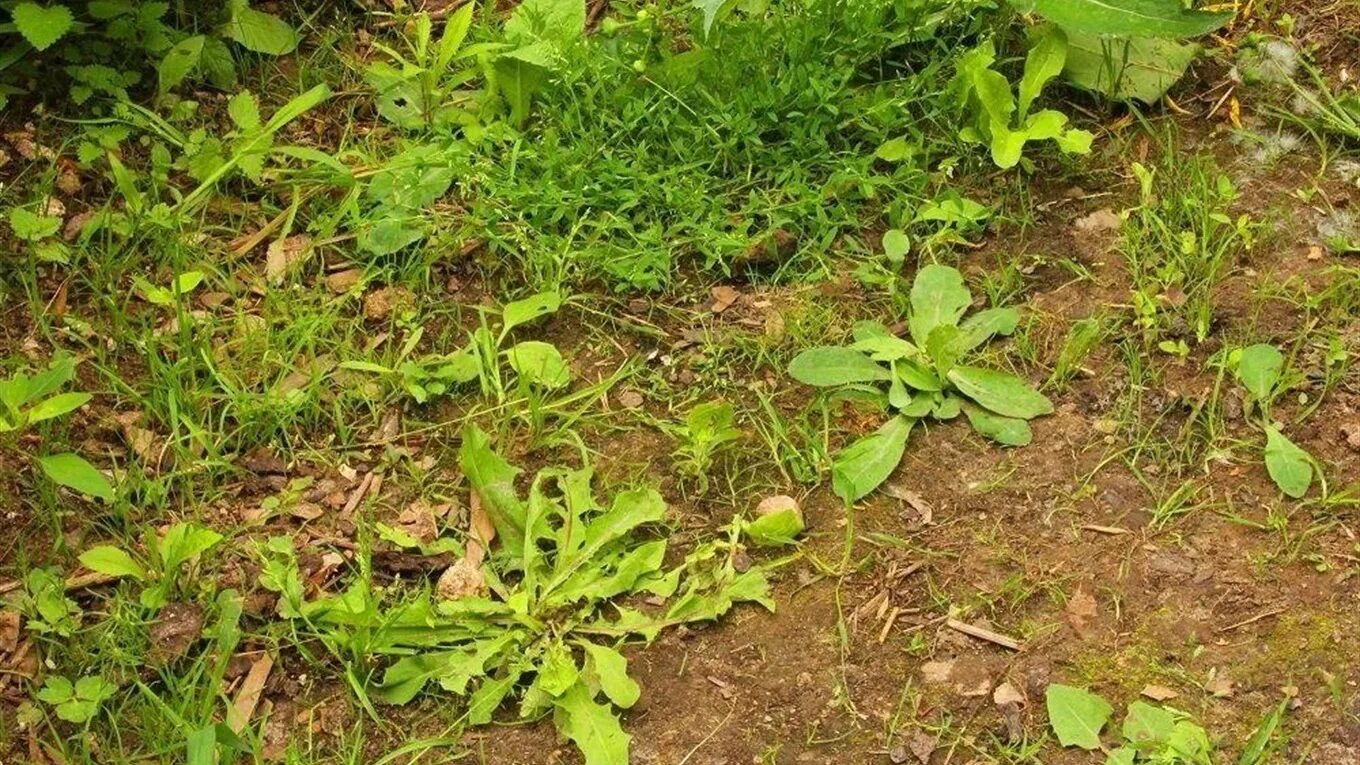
(982, 633)
(1159, 693)
(1113, 530)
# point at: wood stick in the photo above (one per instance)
(982, 633)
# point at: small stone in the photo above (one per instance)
(340, 282)
(382, 303)
(630, 399)
(461, 580)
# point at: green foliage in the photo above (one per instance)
(548, 629)
(76, 702)
(105, 44)
(166, 555)
(1150, 734)
(1134, 18)
(706, 432)
(426, 86)
(43, 602)
(31, 400)
(1259, 368)
(998, 119)
(925, 378)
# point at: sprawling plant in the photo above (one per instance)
(543, 617)
(923, 378)
(1259, 368)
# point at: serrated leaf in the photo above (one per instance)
(864, 465)
(32, 227)
(611, 669)
(591, 726)
(1258, 368)
(1289, 466)
(113, 561)
(1077, 716)
(494, 481)
(1135, 18)
(73, 472)
(1000, 392)
(488, 697)
(938, 298)
(829, 366)
(42, 25)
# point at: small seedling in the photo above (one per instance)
(924, 378)
(76, 702)
(30, 400)
(422, 86)
(1259, 369)
(166, 555)
(706, 432)
(1151, 734)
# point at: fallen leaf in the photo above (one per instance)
(1082, 610)
(76, 224)
(1220, 687)
(248, 695)
(1007, 694)
(924, 510)
(9, 631)
(1008, 702)
(723, 298)
(1098, 221)
(482, 531)
(1159, 693)
(283, 254)
(178, 627)
(418, 520)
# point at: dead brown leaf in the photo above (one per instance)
(1220, 687)
(1159, 693)
(482, 531)
(924, 510)
(9, 631)
(1082, 611)
(723, 298)
(1098, 221)
(283, 254)
(248, 695)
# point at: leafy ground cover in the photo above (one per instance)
(917, 382)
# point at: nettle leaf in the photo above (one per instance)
(42, 25)
(260, 32)
(1008, 431)
(179, 62)
(592, 726)
(829, 366)
(112, 561)
(1000, 392)
(30, 226)
(1077, 715)
(1136, 18)
(1289, 466)
(1258, 369)
(938, 297)
(866, 464)
(73, 472)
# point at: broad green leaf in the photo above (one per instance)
(1077, 715)
(201, 746)
(983, 326)
(57, 405)
(1258, 368)
(629, 510)
(1008, 431)
(942, 348)
(1146, 725)
(488, 697)
(218, 64)
(389, 235)
(557, 671)
(829, 366)
(73, 472)
(1122, 756)
(938, 297)
(611, 669)
(1289, 466)
(409, 675)
(94, 688)
(1000, 392)
(885, 348)
(179, 62)
(455, 31)
(30, 226)
(1043, 62)
(526, 310)
(56, 690)
(714, 10)
(896, 243)
(494, 481)
(775, 529)
(113, 561)
(864, 465)
(42, 25)
(556, 22)
(1135, 18)
(917, 375)
(260, 32)
(591, 726)
(539, 363)
(184, 542)
(1127, 69)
